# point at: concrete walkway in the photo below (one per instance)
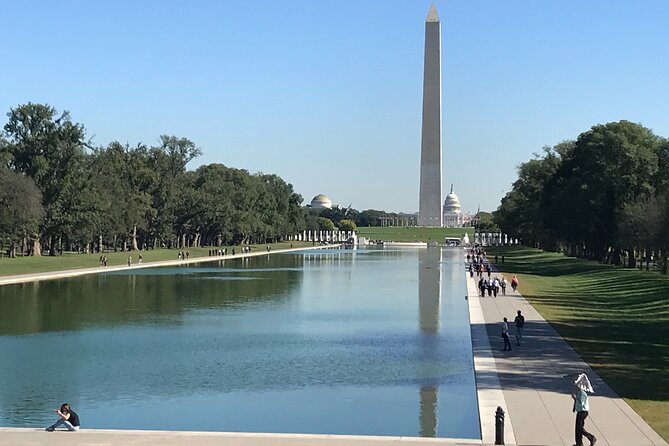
(24, 278)
(99, 437)
(536, 396)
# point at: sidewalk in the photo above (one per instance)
(536, 397)
(23, 278)
(99, 437)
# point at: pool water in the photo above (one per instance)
(365, 342)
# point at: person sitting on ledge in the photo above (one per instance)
(68, 418)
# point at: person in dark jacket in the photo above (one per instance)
(68, 418)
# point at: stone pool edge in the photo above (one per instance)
(51, 275)
(145, 438)
(488, 387)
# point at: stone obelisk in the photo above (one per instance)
(429, 211)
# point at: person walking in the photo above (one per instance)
(520, 323)
(505, 335)
(502, 284)
(68, 418)
(581, 407)
(514, 283)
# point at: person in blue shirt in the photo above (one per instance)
(581, 408)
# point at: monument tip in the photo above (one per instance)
(432, 16)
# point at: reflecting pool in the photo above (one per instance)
(369, 342)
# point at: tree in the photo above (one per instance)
(487, 223)
(370, 217)
(609, 166)
(123, 182)
(168, 162)
(347, 225)
(522, 211)
(325, 224)
(50, 149)
(21, 209)
(597, 197)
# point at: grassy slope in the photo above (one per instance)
(411, 233)
(616, 319)
(28, 265)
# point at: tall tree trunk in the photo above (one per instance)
(134, 238)
(631, 257)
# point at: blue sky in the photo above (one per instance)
(327, 94)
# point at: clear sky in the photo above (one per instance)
(327, 94)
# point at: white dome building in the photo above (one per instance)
(453, 217)
(321, 201)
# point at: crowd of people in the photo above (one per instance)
(478, 264)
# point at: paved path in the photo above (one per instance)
(23, 278)
(535, 393)
(92, 437)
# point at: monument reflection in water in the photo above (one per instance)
(439, 272)
(429, 300)
(365, 342)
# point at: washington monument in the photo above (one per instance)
(429, 211)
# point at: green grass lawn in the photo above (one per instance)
(617, 319)
(28, 265)
(412, 233)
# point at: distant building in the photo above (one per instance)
(321, 201)
(453, 216)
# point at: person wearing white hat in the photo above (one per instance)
(581, 407)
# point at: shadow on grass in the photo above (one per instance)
(636, 368)
(617, 319)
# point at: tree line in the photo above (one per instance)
(603, 196)
(58, 192)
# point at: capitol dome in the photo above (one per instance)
(452, 202)
(321, 201)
